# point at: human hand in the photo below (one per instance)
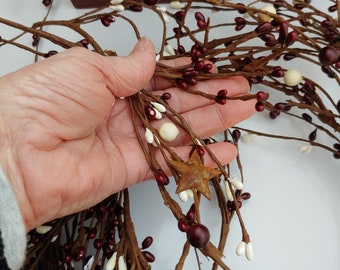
(67, 142)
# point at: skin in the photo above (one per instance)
(67, 142)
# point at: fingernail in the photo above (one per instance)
(142, 43)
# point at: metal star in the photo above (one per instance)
(194, 175)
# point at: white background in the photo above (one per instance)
(293, 216)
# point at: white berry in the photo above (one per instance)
(292, 77)
(168, 131)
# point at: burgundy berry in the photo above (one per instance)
(241, 8)
(221, 100)
(326, 24)
(333, 8)
(240, 21)
(289, 56)
(47, 2)
(263, 28)
(291, 38)
(136, 8)
(150, 112)
(199, 16)
(150, 2)
(201, 24)
(166, 96)
(239, 27)
(207, 67)
(245, 196)
(274, 114)
(180, 15)
(98, 243)
(181, 49)
(261, 96)
(236, 134)
(198, 235)
(148, 256)
(199, 65)
(337, 146)
(328, 55)
(161, 177)
(312, 135)
(283, 32)
(147, 242)
(307, 117)
(191, 214)
(182, 225)
(260, 106)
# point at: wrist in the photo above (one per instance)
(10, 169)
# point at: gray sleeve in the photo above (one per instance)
(11, 226)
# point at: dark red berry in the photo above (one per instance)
(199, 16)
(283, 32)
(161, 177)
(181, 49)
(236, 134)
(274, 114)
(191, 214)
(198, 235)
(261, 96)
(268, 37)
(207, 67)
(47, 2)
(182, 225)
(150, 112)
(91, 234)
(202, 24)
(239, 27)
(278, 72)
(50, 53)
(333, 8)
(136, 8)
(245, 196)
(260, 106)
(221, 100)
(289, 56)
(166, 96)
(148, 256)
(291, 38)
(307, 117)
(328, 55)
(199, 65)
(147, 242)
(312, 135)
(181, 84)
(241, 8)
(326, 24)
(180, 15)
(240, 21)
(263, 28)
(98, 243)
(309, 87)
(282, 106)
(150, 2)
(222, 93)
(337, 146)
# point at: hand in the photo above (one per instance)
(67, 142)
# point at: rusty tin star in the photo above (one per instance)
(194, 175)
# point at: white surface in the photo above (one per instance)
(293, 216)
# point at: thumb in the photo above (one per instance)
(127, 75)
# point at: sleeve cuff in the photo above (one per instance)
(11, 225)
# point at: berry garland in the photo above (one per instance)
(103, 237)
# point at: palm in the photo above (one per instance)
(75, 143)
